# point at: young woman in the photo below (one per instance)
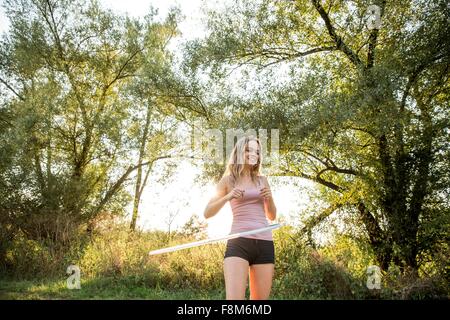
(252, 206)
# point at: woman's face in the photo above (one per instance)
(252, 152)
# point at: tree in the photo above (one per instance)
(362, 112)
(194, 227)
(70, 69)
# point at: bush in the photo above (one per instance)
(304, 273)
(34, 259)
(409, 286)
(114, 256)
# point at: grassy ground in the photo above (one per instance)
(115, 264)
(104, 288)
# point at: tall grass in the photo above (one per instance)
(114, 263)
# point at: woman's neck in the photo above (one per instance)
(246, 172)
(246, 175)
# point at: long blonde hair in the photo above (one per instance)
(236, 162)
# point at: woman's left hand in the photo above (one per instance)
(265, 193)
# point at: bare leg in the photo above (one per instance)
(236, 276)
(261, 276)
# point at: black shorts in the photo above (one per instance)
(255, 251)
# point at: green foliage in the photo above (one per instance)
(75, 114)
(363, 113)
(304, 273)
(39, 259)
(115, 264)
(88, 98)
(352, 254)
(194, 228)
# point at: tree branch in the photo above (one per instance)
(276, 54)
(12, 89)
(340, 44)
(317, 179)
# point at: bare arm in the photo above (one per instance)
(217, 202)
(269, 205)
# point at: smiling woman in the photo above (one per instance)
(160, 199)
(252, 206)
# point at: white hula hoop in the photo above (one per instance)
(209, 241)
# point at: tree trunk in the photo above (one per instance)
(380, 243)
(139, 188)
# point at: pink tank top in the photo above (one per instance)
(249, 214)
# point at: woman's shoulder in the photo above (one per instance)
(227, 180)
(263, 179)
(227, 177)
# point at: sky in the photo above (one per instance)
(138, 8)
(181, 197)
(3, 21)
(191, 25)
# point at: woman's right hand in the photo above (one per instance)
(236, 193)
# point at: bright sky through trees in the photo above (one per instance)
(160, 201)
(181, 197)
